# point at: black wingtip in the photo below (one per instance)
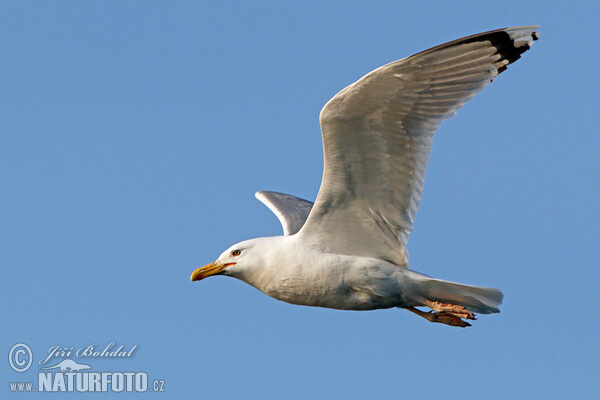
(505, 45)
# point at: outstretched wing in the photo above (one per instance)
(377, 136)
(290, 210)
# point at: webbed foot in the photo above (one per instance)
(444, 316)
(453, 309)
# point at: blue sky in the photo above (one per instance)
(134, 135)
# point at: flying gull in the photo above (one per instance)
(348, 250)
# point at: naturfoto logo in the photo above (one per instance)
(68, 375)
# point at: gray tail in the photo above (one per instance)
(482, 300)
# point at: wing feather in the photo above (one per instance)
(291, 211)
(377, 136)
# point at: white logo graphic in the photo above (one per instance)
(20, 357)
(68, 365)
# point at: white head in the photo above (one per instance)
(239, 261)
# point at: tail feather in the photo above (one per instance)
(481, 300)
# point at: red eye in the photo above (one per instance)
(236, 253)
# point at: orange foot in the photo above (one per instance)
(449, 314)
(453, 309)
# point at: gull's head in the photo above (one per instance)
(235, 261)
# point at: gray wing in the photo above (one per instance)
(291, 211)
(377, 136)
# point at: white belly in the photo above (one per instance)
(340, 282)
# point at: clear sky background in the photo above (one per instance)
(134, 135)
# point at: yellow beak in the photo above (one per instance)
(208, 270)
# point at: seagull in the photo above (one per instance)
(347, 250)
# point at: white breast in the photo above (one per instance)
(304, 275)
